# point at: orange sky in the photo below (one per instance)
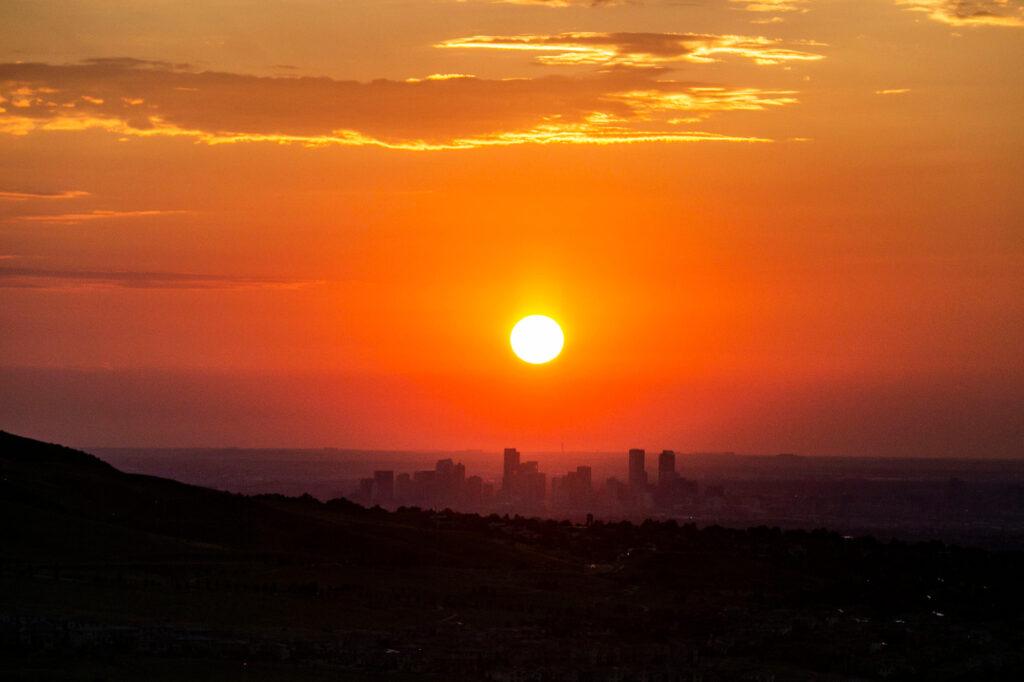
(780, 226)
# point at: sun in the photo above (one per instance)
(537, 339)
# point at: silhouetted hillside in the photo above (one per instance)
(69, 504)
(107, 575)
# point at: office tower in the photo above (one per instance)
(424, 487)
(511, 468)
(424, 477)
(384, 486)
(666, 467)
(444, 474)
(586, 478)
(637, 472)
(573, 490)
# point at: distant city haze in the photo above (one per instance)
(970, 417)
(956, 500)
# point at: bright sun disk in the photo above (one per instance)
(537, 339)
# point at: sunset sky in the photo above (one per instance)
(786, 225)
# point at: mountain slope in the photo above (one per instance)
(68, 504)
(108, 575)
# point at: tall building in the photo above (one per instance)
(573, 490)
(586, 478)
(425, 486)
(449, 481)
(637, 469)
(511, 468)
(444, 482)
(666, 467)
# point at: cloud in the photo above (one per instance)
(99, 214)
(773, 5)
(440, 77)
(700, 100)
(748, 5)
(455, 111)
(560, 4)
(640, 49)
(14, 195)
(893, 91)
(1009, 13)
(79, 280)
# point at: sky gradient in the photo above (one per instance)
(790, 225)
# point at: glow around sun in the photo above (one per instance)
(537, 339)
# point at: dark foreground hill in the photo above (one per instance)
(106, 575)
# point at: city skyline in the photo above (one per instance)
(524, 487)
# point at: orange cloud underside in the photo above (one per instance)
(144, 100)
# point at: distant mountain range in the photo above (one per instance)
(109, 575)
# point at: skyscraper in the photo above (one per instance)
(637, 469)
(511, 468)
(444, 473)
(586, 477)
(666, 467)
(384, 487)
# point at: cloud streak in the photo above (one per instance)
(640, 49)
(965, 13)
(960, 13)
(566, 3)
(88, 280)
(88, 216)
(13, 195)
(777, 6)
(140, 99)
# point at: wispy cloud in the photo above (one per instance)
(1008, 13)
(13, 195)
(641, 49)
(563, 3)
(447, 111)
(78, 280)
(701, 100)
(893, 91)
(776, 6)
(86, 216)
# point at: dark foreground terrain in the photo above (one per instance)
(107, 575)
